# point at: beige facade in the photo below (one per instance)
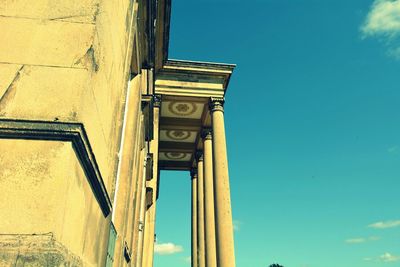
(91, 110)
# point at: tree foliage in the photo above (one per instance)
(275, 265)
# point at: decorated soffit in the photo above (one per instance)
(180, 125)
(175, 156)
(182, 109)
(178, 136)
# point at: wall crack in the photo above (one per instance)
(10, 91)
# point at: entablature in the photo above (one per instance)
(193, 79)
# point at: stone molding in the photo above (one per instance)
(66, 132)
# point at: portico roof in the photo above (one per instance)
(186, 88)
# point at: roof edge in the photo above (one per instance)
(200, 64)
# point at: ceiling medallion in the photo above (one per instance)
(182, 108)
(175, 155)
(178, 135)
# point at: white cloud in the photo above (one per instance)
(361, 240)
(383, 21)
(387, 257)
(355, 240)
(167, 248)
(384, 225)
(383, 18)
(236, 225)
(393, 149)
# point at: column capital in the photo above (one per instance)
(217, 104)
(206, 133)
(199, 155)
(193, 173)
(157, 101)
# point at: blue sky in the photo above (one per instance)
(313, 128)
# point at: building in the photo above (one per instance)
(91, 109)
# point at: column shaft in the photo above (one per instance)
(210, 245)
(223, 212)
(194, 219)
(200, 213)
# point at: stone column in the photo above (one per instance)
(223, 211)
(210, 245)
(200, 211)
(194, 218)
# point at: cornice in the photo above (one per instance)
(66, 132)
(200, 65)
(193, 79)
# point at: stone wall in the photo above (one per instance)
(61, 62)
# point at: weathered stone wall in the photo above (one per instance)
(61, 61)
(45, 190)
(35, 251)
(67, 61)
